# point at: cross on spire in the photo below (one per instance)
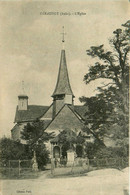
(63, 35)
(23, 87)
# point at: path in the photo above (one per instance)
(100, 182)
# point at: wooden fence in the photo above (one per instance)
(18, 168)
(85, 165)
(109, 163)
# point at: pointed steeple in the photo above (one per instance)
(63, 84)
(63, 93)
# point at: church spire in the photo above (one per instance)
(63, 84)
(63, 93)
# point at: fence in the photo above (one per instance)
(109, 163)
(80, 165)
(23, 168)
(18, 168)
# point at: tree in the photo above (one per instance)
(12, 150)
(34, 133)
(108, 110)
(69, 139)
(35, 136)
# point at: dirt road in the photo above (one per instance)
(100, 182)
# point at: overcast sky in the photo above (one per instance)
(30, 47)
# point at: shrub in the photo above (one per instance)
(12, 150)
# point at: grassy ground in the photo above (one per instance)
(22, 175)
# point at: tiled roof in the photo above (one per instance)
(81, 110)
(33, 112)
(46, 123)
(63, 84)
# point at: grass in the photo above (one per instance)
(14, 174)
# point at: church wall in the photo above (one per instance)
(68, 99)
(49, 148)
(15, 132)
(65, 119)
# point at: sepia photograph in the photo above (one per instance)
(64, 82)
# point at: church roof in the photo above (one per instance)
(81, 110)
(33, 112)
(63, 84)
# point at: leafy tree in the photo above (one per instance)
(108, 110)
(67, 136)
(12, 150)
(91, 149)
(35, 136)
(69, 139)
(42, 155)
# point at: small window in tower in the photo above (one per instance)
(22, 104)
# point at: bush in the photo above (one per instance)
(12, 150)
(111, 152)
(95, 150)
(42, 155)
(91, 149)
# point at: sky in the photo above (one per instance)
(31, 43)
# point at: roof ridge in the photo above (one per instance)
(46, 111)
(55, 116)
(75, 112)
(60, 111)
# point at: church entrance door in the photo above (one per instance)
(56, 152)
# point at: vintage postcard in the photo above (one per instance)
(64, 81)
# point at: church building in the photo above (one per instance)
(60, 115)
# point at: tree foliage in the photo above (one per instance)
(35, 136)
(12, 150)
(70, 138)
(108, 110)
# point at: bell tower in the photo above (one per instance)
(63, 93)
(22, 100)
